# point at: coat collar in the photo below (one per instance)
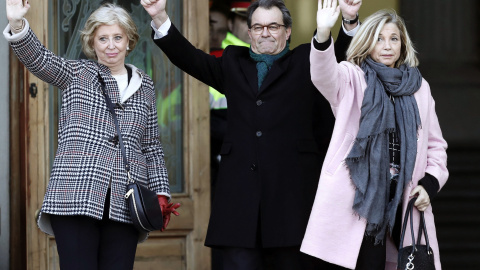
(112, 87)
(278, 68)
(249, 69)
(135, 83)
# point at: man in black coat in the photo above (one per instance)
(279, 127)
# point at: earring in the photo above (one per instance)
(128, 48)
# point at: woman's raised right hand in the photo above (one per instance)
(327, 15)
(16, 10)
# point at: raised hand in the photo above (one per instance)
(16, 10)
(156, 10)
(327, 15)
(349, 8)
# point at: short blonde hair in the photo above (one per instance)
(366, 38)
(107, 14)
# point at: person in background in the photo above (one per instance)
(237, 25)
(218, 22)
(278, 129)
(84, 205)
(387, 145)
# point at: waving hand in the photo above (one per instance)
(16, 10)
(156, 10)
(349, 8)
(327, 15)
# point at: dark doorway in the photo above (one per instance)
(447, 37)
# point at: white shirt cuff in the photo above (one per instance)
(11, 37)
(351, 32)
(162, 30)
(169, 197)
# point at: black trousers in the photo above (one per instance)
(282, 258)
(87, 243)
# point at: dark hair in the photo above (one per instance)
(220, 8)
(268, 4)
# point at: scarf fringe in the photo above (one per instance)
(358, 141)
(388, 230)
(356, 159)
(376, 226)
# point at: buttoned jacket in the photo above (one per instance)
(88, 159)
(274, 146)
(335, 232)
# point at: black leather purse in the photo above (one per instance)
(416, 256)
(143, 204)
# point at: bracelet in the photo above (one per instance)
(346, 21)
(18, 30)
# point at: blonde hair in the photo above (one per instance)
(366, 38)
(107, 14)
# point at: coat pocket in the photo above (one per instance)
(340, 154)
(226, 148)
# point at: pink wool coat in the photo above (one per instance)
(334, 233)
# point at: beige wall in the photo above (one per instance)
(304, 16)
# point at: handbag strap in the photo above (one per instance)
(117, 128)
(408, 213)
(422, 226)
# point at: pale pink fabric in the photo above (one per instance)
(334, 231)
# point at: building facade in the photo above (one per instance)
(448, 39)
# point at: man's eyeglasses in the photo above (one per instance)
(273, 28)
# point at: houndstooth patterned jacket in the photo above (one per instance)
(87, 157)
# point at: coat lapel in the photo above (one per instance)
(110, 83)
(249, 69)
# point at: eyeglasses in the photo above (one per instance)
(273, 28)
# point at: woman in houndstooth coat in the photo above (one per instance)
(84, 205)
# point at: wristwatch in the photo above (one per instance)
(346, 21)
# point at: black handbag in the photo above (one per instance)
(145, 210)
(416, 256)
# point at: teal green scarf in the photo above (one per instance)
(265, 62)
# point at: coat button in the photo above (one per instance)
(259, 102)
(253, 167)
(259, 134)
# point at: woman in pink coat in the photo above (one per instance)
(386, 147)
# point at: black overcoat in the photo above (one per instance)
(273, 151)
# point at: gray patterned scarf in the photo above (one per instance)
(368, 161)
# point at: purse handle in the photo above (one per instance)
(422, 227)
(117, 128)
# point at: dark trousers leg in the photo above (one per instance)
(78, 240)
(87, 243)
(217, 261)
(323, 265)
(118, 245)
(287, 258)
(241, 258)
(371, 256)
